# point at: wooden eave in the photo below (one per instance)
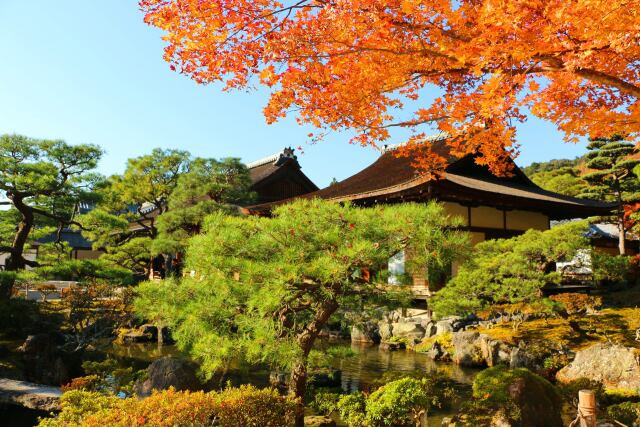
(464, 182)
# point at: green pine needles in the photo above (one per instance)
(611, 177)
(261, 289)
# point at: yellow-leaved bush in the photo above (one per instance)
(246, 406)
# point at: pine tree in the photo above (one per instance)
(262, 289)
(611, 177)
(42, 182)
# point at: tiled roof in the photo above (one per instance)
(527, 192)
(391, 174)
(264, 168)
(73, 237)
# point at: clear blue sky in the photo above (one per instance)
(91, 71)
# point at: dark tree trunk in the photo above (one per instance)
(6, 287)
(621, 236)
(621, 230)
(298, 388)
(306, 339)
(16, 259)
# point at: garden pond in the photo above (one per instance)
(366, 367)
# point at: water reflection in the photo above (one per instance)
(371, 364)
(359, 372)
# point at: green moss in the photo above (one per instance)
(627, 413)
(492, 387)
(444, 340)
(576, 332)
(618, 395)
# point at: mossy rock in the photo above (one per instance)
(318, 421)
(526, 398)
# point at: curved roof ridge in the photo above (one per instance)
(440, 136)
(286, 152)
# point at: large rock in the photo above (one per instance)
(430, 328)
(385, 330)
(467, 349)
(449, 324)
(478, 350)
(443, 326)
(436, 352)
(540, 405)
(318, 421)
(30, 395)
(365, 333)
(412, 331)
(537, 401)
(43, 362)
(168, 372)
(614, 365)
(145, 333)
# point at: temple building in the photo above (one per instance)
(273, 178)
(491, 207)
(279, 177)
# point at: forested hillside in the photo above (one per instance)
(558, 175)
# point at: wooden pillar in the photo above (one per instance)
(587, 408)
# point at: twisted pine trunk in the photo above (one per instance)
(16, 259)
(621, 230)
(306, 339)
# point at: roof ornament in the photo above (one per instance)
(286, 154)
(277, 158)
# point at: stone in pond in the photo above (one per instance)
(392, 345)
(318, 421)
(365, 333)
(168, 372)
(413, 331)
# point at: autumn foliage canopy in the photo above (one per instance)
(365, 65)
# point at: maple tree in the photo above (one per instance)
(365, 64)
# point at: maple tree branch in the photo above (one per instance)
(609, 80)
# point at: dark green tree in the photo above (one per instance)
(209, 185)
(262, 289)
(42, 181)
(508, 271)
(147, 183)
(124, 220)
(611, 177)
(565, 180)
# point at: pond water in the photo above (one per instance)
(360, 371)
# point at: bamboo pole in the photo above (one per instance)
(587, 408)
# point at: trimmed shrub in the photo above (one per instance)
(575, 303)
(517, 393)
(610, 269)
(325, 402)
(87, 270)
(397, 403)
(352, 408)
(246, 406)
(627, 413)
